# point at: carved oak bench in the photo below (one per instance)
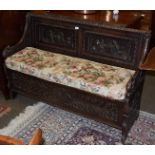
(88, 68)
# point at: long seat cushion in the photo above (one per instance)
(102, 79)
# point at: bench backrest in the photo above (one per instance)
(102, 43)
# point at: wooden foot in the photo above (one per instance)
(13, 94)
(123, 138)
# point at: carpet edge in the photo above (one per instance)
(147, 114)
(26, 114)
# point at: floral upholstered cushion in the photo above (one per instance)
(101, 79)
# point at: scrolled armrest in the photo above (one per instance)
(10, 50)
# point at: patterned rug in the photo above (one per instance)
(4, 109)
(61, 127)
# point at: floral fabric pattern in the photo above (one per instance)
(98, 78)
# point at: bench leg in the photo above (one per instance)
(13, 94)
(6, 94)
(124, 132)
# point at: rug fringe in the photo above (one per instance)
(17, 122)
(28, 115)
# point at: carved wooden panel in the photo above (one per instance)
(67, 97)
(109, 46)
(57, 36)
(120, 49)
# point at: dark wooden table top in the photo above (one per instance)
(128, 19)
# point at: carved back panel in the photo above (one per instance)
(119, 47)
(56, 36)
(53, 35)
(106, 44)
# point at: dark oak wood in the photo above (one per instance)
(11, 29)
(102, 43)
